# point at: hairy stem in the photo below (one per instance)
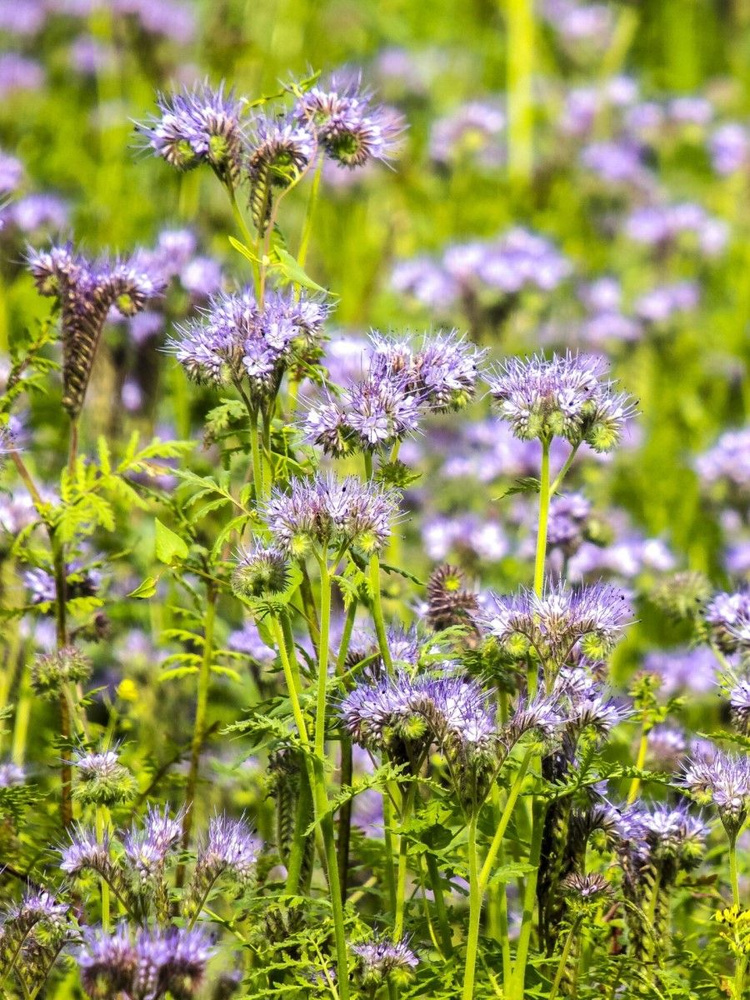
(527, 921)
(403, 857)
(377, 612)
(563, 964)
(440, 910)
(640, 761)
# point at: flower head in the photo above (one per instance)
(561, 397)
(229, 851)
(261, 570)
(591, 618)
(724, 780)
(52, 672)
(102, 779)
(202, 125)
(326, 511)
(147, 847)
(379, 960)
(728, 619)
(350, 127)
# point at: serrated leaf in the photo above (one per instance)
(527, 484)
(168, 545)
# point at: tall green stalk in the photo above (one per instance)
(403, 857)
(321, 794)
(519, 19)
(475, 910)
(199, 727)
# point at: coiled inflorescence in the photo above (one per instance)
(85, 291)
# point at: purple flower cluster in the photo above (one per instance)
(558, 621)
(664, 227)
(330, 513)
(237, 341)
(402, 383)
(483, 270)
(379, 960)
(474, 132)
(202, 125)
(723, 780)
(148, 966)
(564, 396)
(725, 468)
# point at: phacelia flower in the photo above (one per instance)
(564, 397)
(592, 617)
(51, 673)
(739, 703)
(202, 125)
(728, 619)
(85, 291)
(260, 570)
(102, 779)
(147, 847)
(229, 851)
(722, 780)
(149, 966)
(87, 851)
(379, 961)
(725, 468)
(350, 127)
(281, 149)
(330, 512)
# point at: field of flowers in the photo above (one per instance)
(374, 492)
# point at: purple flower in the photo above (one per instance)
(11, 172)
(350, 127)
(202, 125)
(378, 960)
(722, 780)
(564, 396)
(87, 851)
(331, 513)
(473, 132)
(725, 467)
(616, 163)
(661, 304)
(148, 847)
(661, 226)
(691, 670)
(17, 72)
(36, 212)
(729, 147)
(728, 619)
(559, 620)
(280, 148)
(739, 702)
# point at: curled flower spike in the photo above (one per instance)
(450, 601)
(442, 371)
(724, 781)
(87, 852)
(561, 397)
(379, 961)
(330, 512)
(592, 618)
(53, 672)
(202, 125)
(281, 149)
(148, 847)
(85, 291)
(586, 888)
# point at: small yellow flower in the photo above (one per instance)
(127, 690)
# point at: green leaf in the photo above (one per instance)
(245, 251)
(145, 589)
(291, 270)
(169, 546)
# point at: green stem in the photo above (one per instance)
(101, 825)
(564, 958)
(66, 774)
(377, 612)
(733, 873)
(257, 459)
(390, 871)
(563, 471)
(247, 236)
(635, 784)
(515, 790)
(524, 938)
(519, 18)
(347, 760)
(541, 537)
(403, 857)
(440, 910)
(321, 795)
(475, 911)
(199, 729)
(310, 215)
